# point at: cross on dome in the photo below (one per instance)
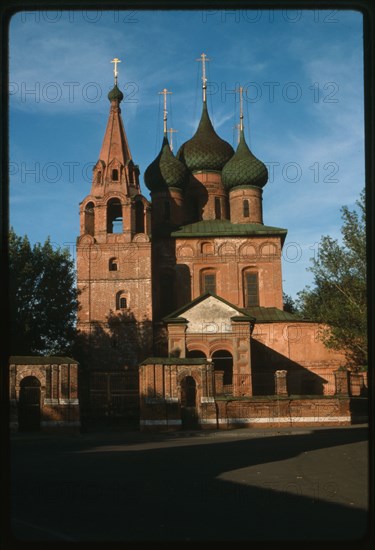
(115, 60)
(203, 58)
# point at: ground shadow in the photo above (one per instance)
(161, 487)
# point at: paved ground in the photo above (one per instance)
(249, 485)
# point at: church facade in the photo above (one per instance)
(181, 317)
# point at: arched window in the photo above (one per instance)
(139, 217)
(113, 264)
(114, 216)
(208, 281)
(223, 361)
(251, 288)
(121, 300)
(246, 208)
(99, 177)
(217, 208)
(115, 174)
(89, 218)
(167, 211)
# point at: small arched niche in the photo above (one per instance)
(89, 214)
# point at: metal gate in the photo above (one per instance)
(114, 397)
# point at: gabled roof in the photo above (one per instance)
(201, 298)
(257, 314)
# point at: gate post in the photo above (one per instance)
(341, 382)
(280, 382)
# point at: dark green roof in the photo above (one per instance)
(165, 171)
(205, 150)
(217, 228)
(244, 168)
(115, 93)
(174, 361)
(272, 315)
(39, 360)
(175, 314)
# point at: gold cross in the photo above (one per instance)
(165, 92)
(203, 58)
(115, 60)
(240, 90)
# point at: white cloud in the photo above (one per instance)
(311, 134)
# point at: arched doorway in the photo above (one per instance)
(189, 415)
(29, 405)
(223, 362)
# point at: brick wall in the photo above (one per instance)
(254, 197)
(165, 414)
(58, 393)
(228, 257)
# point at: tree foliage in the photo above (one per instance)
(339, 297)
(289, 304)
(42, 298)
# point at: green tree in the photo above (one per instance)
(289, 304)
(42, 298)
(339, 297)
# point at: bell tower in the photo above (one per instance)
(114, 271)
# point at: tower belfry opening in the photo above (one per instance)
(114, 216)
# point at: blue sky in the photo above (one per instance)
(303, 105)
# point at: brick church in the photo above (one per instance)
(181, 313)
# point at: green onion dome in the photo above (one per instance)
(205, 150)
(244, 168)
(115, 93)
(165, 171)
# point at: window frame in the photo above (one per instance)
(210, 272)
(246, 208)
(113, 264)
(217, 203)
(247, 296)
(122, 295)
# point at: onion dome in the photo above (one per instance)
(165, 171)
(244, 168)
(115, 93)
(205, 150)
